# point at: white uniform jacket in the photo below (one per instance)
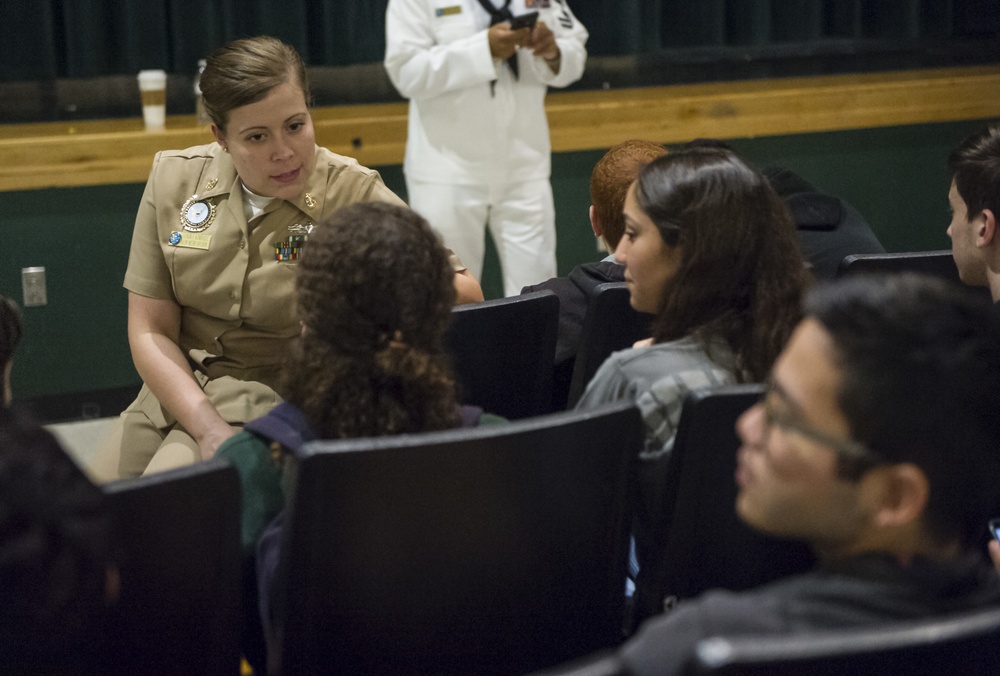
(462, 130)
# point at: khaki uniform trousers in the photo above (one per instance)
(147, 439)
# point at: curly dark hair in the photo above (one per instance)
(741, 276)
(374, 293)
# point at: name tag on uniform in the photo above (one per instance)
(448, 11)
(537, 4)
(190, 240)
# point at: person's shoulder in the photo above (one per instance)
(201, 152)
(194, 161)
(343, 180)
(679, 365)
(590, 275)
(557, 285)
(686, 346)
(341, 163)
(665, 643)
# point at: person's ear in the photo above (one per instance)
(220, 137)
(595, 223)
(987, 228)
(902, 496)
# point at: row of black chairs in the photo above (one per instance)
(492, 550)
(953, 646)
(503, 349)
(499, 549)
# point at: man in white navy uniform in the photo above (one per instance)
(477, 148)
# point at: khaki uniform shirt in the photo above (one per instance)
(233, 281)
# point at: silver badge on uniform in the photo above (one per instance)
(197, 215)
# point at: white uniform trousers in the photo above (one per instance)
(521, 218)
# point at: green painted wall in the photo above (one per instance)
(77, 343)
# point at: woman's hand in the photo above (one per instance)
(209, 443)
(154, 327)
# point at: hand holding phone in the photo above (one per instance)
(524, 21)
(995, 528)
(994, 545)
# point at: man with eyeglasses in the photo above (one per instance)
(878, 444)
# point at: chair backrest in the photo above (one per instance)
(503, 351)
(610, 324)
(179, 539)
(962, 644)
(939, 263)
(698, 541)
(500, 549)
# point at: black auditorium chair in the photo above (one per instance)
(938, 263)
(963, 644)
(179, 563)
(697, 540)
(503, 351)
(500, 549)
(610, 324)
(958, 645)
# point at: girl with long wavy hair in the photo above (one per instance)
(710, 250)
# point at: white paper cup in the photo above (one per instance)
(153, 90)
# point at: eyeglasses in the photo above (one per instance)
(854, 452)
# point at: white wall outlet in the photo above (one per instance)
(33, 287)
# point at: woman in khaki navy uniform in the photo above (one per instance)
(213, 258)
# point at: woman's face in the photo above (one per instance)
(272, 142)
(649, 261)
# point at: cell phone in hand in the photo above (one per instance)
(524, 21)
(995, 528)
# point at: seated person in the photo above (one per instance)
(975, 206)
(709, 249)
(828, 228)
(57, 579)
(873, 446)
(10, 336)
(609, 182)
(211, 268)
(373, 294)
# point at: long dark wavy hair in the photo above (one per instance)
(741, 276)
(374, 292)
